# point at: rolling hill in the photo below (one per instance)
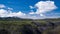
(14, 25)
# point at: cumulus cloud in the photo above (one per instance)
(20, 14)
(16, 14)
(2, 6)
(6, 13)
(45, 6)
(3, 13)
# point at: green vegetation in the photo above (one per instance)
(20, 26)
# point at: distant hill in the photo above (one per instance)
(12, 18)
(22, 19)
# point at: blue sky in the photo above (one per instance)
(29, 6)
(19, 5)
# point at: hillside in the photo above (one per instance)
(14, 25)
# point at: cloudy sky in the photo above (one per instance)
(32, 9)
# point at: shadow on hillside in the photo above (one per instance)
(3, 31)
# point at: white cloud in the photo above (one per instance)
(31, 12)
(45, 6)
(9, 13)
(6, 13)
(42, 15)
(16, 14)
(10, 8)
(2, 6)
(31, 7)
(3, 13)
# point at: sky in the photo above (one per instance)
(31, 9)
